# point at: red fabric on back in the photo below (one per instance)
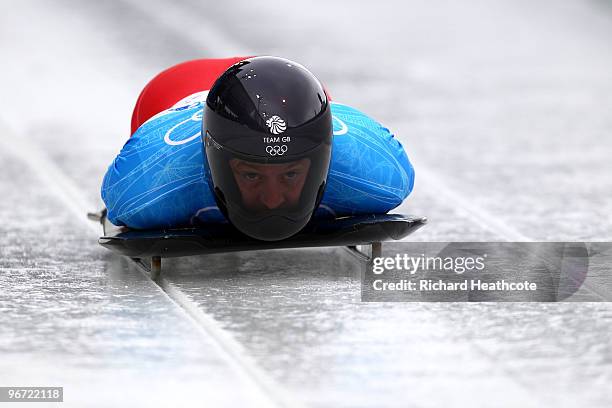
(176, 83)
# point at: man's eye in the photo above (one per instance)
(251, 176)
(291, 175)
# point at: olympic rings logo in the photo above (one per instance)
(276, 150)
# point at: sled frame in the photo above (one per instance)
(159, 243)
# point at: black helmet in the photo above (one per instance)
(267, 131)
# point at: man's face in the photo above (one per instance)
(270, 186)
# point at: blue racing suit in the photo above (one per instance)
(159, 179)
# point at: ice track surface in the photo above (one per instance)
(504, 108)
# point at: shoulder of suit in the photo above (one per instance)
(192, 101)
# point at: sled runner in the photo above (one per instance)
(349, 232)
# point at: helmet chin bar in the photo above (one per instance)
(270, 228)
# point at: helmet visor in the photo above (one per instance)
(269, 187)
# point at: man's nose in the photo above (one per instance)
(272, 196)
